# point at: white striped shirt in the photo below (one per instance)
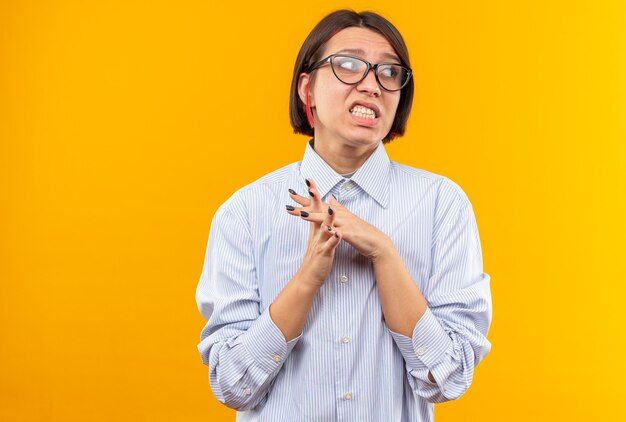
(346, 365)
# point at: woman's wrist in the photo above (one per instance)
(384, 250)
(309, 282)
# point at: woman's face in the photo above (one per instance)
(342, 112)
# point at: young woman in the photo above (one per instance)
(345, 286)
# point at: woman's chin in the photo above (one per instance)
(364, 137)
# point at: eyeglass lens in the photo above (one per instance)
(350, 70)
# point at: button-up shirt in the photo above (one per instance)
(346, 365)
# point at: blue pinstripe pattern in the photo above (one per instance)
(346, 365)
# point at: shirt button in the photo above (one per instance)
(347, 396)
(345, 339)
(277, 358)
(247, 392)
(420, 351)
(344, 278)
(347, 186)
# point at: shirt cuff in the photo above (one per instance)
(429, 344)
(266, 344)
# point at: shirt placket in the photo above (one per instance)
(343, 333)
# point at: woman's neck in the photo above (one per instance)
(343, 158)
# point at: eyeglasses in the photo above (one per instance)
(351, 70)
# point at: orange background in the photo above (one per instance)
(124, 125)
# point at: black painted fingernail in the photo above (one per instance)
(334, 197)
(289, 207)
(336, 235)
(304, 214)
(293, 192)
(330, 229)
(311, 193)
(307, 182)
(330, 211)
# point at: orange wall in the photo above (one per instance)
(124, 125)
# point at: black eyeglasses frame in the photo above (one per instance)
(369, 65)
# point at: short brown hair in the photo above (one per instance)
(310, 53)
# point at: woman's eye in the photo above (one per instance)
(348, 64)
(388, 72)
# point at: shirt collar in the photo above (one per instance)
(373, 176)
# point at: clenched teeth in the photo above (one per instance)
(364, 112)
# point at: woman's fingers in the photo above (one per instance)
(314, 217)
(294, 210)
(305, 202)
(313, 205)
(314, 194)
(313, 209)
(297, 211)
(327, 227)
(329, 221)
(314, 200)
(334, 203)
(332, 242)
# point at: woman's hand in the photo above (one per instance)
(323, 239)
(368, 240)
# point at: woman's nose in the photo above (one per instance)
(369, 84)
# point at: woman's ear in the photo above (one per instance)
(304, 89)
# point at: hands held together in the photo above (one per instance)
(331, 223)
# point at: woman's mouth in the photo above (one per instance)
(363, 112)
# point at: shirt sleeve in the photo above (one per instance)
(449, 340)
(240, 343)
